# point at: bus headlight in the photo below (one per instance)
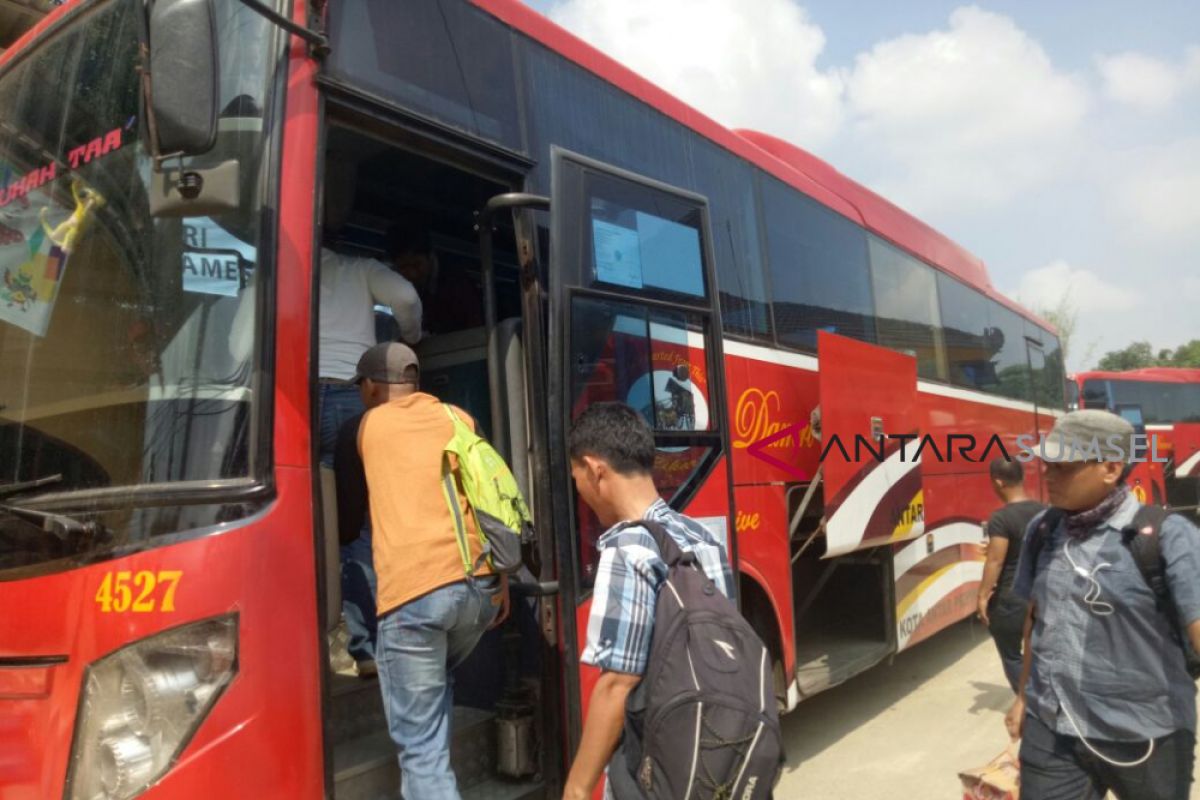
(142, 704)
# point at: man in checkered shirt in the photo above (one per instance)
(612, 461)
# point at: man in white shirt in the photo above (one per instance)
(351, 287)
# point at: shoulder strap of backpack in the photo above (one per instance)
(1142, 539)
(668, 550)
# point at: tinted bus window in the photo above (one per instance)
(576, 110)
(1013, 378)
(448, 61)
(1048, 382)
(819, 272)
(906, 308)
(728, 183)
(1095, 394)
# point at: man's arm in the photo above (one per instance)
(619, 630)
(997, 551)
(1015, 719)
(394, 291)
(601, 732)
(1180, 543)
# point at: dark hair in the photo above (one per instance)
(615, 433)
(410, 235)
(1009, 472)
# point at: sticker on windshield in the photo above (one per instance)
(214, 260)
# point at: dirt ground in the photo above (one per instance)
(903, 730)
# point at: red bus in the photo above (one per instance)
(167, 565)
(1166, 400)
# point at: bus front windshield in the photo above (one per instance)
(128, 343)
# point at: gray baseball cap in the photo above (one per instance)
(1088, 435)
(386, 363)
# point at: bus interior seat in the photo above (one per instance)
(333, 565)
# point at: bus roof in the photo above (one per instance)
(1149, 374)
(784, 160)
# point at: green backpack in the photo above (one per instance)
(501, 516)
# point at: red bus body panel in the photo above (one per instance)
(263, 736)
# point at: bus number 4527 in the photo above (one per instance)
(140, 592)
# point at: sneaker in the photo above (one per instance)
(366, 668)
(339, 659)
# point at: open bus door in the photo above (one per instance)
(845, 615)
(633, 318)
(873, 485)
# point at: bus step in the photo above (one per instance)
(356, 707)
(366, 768)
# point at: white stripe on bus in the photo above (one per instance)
(803, 361)
(845, 528)
(951, 535)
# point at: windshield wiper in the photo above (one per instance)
(66, 529)
(10, 489)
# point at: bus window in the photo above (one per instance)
(1095, 394)
(906, 307)
(818, 263)
(643, 239)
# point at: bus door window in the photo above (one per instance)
(655, 362)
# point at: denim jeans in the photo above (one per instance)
(338, 403)
(358, 596)
(419, 643)
(1057, 767)
(1006, 624)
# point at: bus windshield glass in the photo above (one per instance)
(128, 343)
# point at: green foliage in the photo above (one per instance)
(1141, 354)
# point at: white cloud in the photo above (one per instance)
(1157, 193)
(966, 117)
(1087, 292)
(744, 64)
(1147, 83)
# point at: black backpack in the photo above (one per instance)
(1142, 538)
(703, 722)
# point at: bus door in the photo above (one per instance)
(1043, 420)
(873, 491)
(633, 318)
(845, 598)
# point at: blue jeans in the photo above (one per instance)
(358, 596)
(419, 643)
(338, 403)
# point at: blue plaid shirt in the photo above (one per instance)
(1116, 677)
(628, 578)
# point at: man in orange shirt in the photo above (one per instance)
(432, 611)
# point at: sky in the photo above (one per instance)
(1057, 141)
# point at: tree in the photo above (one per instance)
(1141, 354)
(1135, 356)
(1186, 355)
(1063, 316)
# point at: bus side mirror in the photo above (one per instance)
(184, 77)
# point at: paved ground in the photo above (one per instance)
(903, 730)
